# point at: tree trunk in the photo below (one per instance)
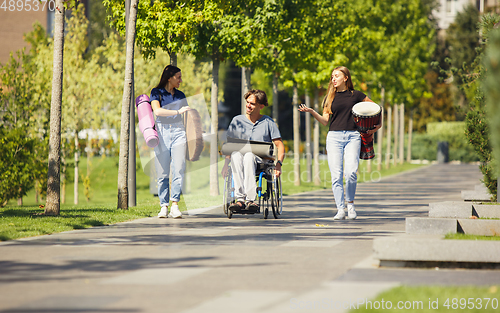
(186, 182)
(63, 175)
(89, 155)
(132, 162)
(396, 134)
(248, 78)
(388, 146)
(53, 204)
(296, 135)
(63, 189)
(37, 194)
(275, 98)
(380, 132)
(308, 139)
(131, 145)
(245, 86)
(380, 140)
(316, 175)
(77, 161)
(86, 182)
(214, 153)
(173, 58)
(401, 133)
(410, 133)
(125, 115)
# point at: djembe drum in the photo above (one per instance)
(366, 116)
(194, 135)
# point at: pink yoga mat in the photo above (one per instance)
(146, 120)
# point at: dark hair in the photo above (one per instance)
(168, 73)
(260, 96)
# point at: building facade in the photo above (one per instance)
(17, 18)
(16, 21)
(448, 9)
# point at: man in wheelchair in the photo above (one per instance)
(257, 127)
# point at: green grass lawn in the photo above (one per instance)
(28, 220)
(433, 299)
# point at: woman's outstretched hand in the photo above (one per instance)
(303, 108)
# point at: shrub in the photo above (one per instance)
(424, 146)
(18, 164)
(492, 99)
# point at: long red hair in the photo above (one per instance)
(330, 93)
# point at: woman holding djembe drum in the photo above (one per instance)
(343, 142)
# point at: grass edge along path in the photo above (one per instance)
(461, 236)
(28, 220)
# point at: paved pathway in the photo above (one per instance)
(207, 263)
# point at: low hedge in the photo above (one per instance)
(424, 146)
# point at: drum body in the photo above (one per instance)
(366, 116)
(366, 152)
(194, 135)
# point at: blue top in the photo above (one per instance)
(264, 129)
(169, 102)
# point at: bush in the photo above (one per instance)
(492, 99)
(18, 164)
(424, 146)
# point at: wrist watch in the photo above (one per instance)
(281, 163)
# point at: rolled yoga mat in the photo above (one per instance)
(146, 120)
(263, 150)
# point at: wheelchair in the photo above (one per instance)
(269, 193)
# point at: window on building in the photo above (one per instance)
(449, 6)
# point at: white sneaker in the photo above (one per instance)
(351, 213)
(163, 212)
(175, 212)
(340, 215)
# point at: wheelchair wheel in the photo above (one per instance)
(265, 210)
(276, 196)
(228, 192)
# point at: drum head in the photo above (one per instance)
(194, 135)
(366, 108)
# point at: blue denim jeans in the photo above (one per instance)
(170, 157)
(343, 146)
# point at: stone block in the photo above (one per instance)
(418, 249)
(450, 209)
(481, 188)
(432, 226)
(486, 210)
(480, 227)
(474, 195)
